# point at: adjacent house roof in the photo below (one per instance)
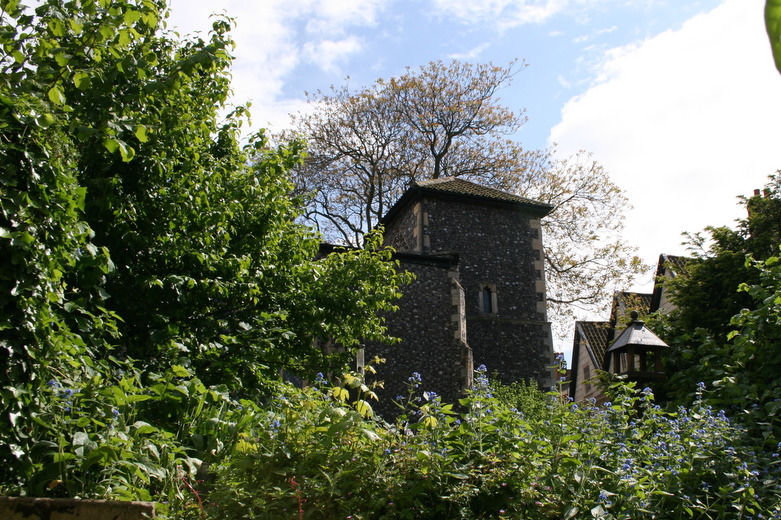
(668, 267)
(456, 188)
(597, 336)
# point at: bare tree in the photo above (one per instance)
(446, 120)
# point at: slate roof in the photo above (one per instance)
(597, 336)
(454, 187)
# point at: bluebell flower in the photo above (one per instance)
(52, 383)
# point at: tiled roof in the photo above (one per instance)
(464, 187)
(597, 336)
(452, 187)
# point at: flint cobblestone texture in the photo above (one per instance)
(431, 340)
(493, 243)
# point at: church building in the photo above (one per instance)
(479, 294)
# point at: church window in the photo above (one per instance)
(488, 299)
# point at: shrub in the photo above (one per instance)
(311, 455)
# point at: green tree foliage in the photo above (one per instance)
(715, 332)
(751, 386)
(208, 265)
(311, 456)
(446, 119)
(135, 228)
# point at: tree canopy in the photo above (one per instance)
(724, 327)
(366, 146)
(132, 220)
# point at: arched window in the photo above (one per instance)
(488, 299)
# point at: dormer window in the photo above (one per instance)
(488, 299)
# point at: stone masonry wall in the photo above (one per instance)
(499, 247)
(433, 333)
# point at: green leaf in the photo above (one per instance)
(144, 428)
(179, 371)
(363, 408)
(340, 394)
(126, 151)
(56, 95)
(140, 132)
(112, 145)
(82, 80)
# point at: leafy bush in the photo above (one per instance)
(309, 455)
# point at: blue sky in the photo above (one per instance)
(677, 99)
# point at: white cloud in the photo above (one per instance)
(327, 53)
(332, 16)
(507, 14)
(273, 37)
(510, 12)
(684, 122)
(471, 54)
